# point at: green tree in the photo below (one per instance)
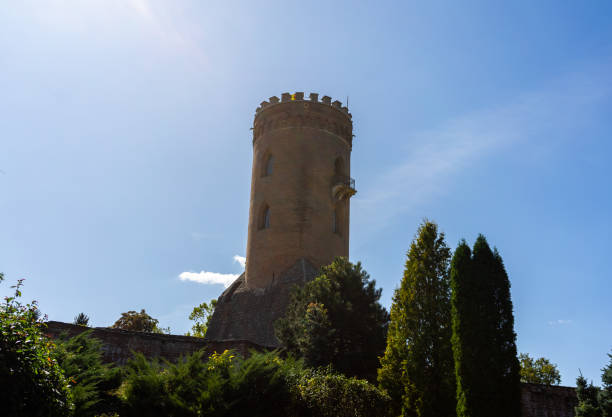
(486, 365)
(538, 371)
(417, 367)
(336, 319)
(81, 319)
(587, 394)
(605, 396)
(201, 315)
(91, 381)
(32, 382)
(139, 322)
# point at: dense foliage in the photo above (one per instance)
(201, 315)
(486, 365)
(538, 371)
(92, 383)
(327, 394)
(337, 319)
(605, 396)
(417, 367)
(138, 322)
(32, 382)
(593, 401)
(588, 404)
(227, 385)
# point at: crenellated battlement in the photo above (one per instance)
(296, 111)
(299, 96)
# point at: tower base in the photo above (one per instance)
(244, 314)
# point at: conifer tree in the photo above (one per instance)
(605, 395)
(465, 330)
(486, 364)
(417, 368)
(336, 320)
(587, 394)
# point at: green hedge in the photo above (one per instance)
(227, 385)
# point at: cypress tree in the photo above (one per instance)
(417, 368)
(465, 329)
(484, 347)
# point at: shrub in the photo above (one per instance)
(32, 381)
(328, 394)
(91, 382)
(228, 385)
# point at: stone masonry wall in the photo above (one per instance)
(548, 401)
(119, 345)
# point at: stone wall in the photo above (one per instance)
(119, 345)
(548, 401)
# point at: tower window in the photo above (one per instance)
(266, 223)
(269, 166)
(264, 218)
(339, 166)
(336, 216)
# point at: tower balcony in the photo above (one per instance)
(343, 187)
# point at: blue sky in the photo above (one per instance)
(125, 149)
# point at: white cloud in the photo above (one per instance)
(205, 277)
(559, 322)
(240, 259)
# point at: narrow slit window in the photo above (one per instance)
(269, 167)
(336, 219)
(334, 223)
(339, 166)
(264, 218)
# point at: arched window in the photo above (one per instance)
(339, 166)
(268, 167)
(264, 218)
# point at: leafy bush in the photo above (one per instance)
(335, 395)
(32, 381)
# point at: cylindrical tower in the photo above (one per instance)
(300, 185)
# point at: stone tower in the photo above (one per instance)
(298, 214)
(300, 185)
